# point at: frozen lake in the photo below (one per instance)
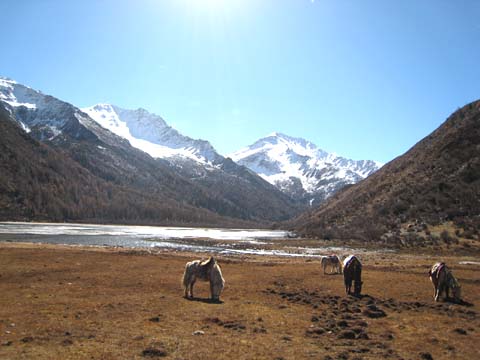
(187, 239)
(213, 240)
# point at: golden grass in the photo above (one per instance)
(75, 303)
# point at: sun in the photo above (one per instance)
(211, 5)
(216, 11)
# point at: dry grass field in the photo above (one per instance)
(61, 302)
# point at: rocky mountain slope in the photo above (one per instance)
(151, 134)
(60, 125)
(300, 169)
(436, 183)
(43, 183)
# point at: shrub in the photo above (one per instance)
(447, 238)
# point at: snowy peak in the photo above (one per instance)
(151, 134)
(299, 168)
(17, 95)
(35, 111)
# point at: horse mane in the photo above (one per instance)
(210, 261)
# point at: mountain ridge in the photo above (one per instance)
(299, 168)
(434, 183)
(151, 133)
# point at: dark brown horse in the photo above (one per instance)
(352, 272)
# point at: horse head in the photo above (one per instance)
(457, 293)
(358, 287)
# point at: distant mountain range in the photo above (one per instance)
(300, 169)
(219, 190)
(295, 166)
(437, 182)
(272, 180)
(108, 164)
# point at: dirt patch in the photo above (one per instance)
(227, 324)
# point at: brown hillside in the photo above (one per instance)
(434, 183)
(39, 182)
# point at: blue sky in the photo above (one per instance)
(365, 79)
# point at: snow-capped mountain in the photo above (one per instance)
(194, 185)
(300, 169)
(46, 116)
(151, 134)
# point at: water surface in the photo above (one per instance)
(213, 240)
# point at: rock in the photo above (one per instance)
(315, 331)
(155, 350)
(347, 334)
(374, 313)
(460, 331)
(426, 356)
(27, 339)
(154, 319)
(260, 330)
(363, 336)
(198, 332)
(342, 324)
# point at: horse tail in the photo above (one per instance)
(185, 276)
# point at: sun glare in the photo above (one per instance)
(215, 6)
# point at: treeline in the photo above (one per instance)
(41, 183)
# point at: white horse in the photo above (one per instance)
(207, 270)
(333, 261)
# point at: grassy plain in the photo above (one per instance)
(59, 302)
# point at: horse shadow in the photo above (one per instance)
(204, 300)
(461, 302)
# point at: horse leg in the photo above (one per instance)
(212, 290)
(447, 288)
(437, 292)
(348, 285)
(191, 287)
